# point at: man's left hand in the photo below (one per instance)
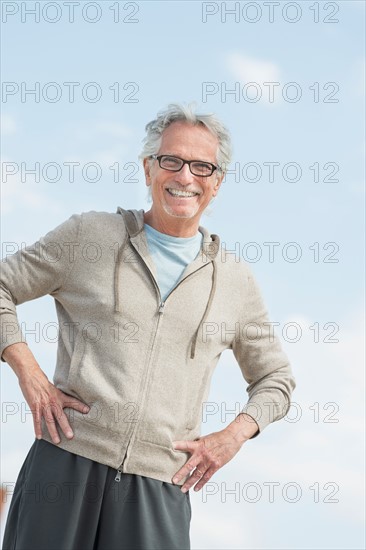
(209, 454)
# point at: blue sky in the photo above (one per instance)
(169, 54)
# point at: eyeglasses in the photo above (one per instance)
(174, 164)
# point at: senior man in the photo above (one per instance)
(146, 304)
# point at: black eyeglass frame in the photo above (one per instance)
(189, 162)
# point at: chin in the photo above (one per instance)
(181, 212)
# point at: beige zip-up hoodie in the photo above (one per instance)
(142, 365)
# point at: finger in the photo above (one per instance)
(186, 469)
(193, 478)
(74, 403)
(204, 479)
(48, 413)
(184, 445)
(36, 411)
(51, 426)
(200, 477)
(55, 410)
(65, 426)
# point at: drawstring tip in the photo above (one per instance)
(193, 350)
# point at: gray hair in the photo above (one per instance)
(178, 112)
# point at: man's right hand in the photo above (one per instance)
(43, 398)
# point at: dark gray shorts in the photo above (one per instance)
(63, 501)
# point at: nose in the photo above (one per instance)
(184, 176)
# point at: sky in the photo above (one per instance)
(287, 79)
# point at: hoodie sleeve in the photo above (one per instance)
(34, 271)
(263, 363)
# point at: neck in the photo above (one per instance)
(175, 227)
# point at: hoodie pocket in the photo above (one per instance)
(194, 401)
(76, 360)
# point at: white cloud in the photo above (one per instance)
(114, 129)
(8, 125)
(105, 158)
(30, 195)
(335, 361)
(219, 525)
(249, 69)
(359, 5)
(115, 138)
(103, 129)
(357, 79)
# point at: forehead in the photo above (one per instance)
(188, 141)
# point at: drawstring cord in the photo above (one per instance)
(116, 273)
(212, 292)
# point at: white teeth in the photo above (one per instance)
(181, 193)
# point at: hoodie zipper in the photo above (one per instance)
(160, 312)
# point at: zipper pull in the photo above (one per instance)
(161, 307)
(118, 476)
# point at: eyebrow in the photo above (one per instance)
(195, 159)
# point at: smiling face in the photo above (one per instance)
(179, 198)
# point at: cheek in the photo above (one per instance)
(209, 190)
(158, 187)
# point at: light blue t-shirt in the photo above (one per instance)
(171, 255)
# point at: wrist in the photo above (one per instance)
(25, 372)
(242, 428)
(22, 361)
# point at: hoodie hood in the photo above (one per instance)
(134, 222)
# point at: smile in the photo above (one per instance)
(176, 193)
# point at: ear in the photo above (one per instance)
(217, 185)
(147, 169)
